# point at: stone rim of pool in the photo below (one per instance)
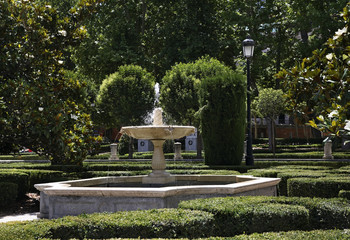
(75, 197)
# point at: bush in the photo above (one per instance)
(296, 235)
(164, 223)
(223, 111)
(234, 215)
(285, 175)
(125, 97)
(344, 194)
(19, 178)
(324, 187)
(8, 192)
(42, 176)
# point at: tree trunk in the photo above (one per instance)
(199, 145)
(131, 147)
(269, 132)
(273, 129)
(255, 128)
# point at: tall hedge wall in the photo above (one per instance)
(223, 111)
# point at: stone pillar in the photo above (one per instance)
(114, 152)
(177, 147)
(327, 149)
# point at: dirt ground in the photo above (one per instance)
(29, 204)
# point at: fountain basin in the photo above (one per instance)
(129, 193)
(158, 131)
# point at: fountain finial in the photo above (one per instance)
(157, 116)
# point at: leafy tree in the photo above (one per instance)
(43, 110)
(322, 82)
(180, 31)
(271, 104)
(179, 94)
(126, 97)
(223, 117)
(114, 39)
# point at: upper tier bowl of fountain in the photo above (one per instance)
(158, 130)
(155, 132)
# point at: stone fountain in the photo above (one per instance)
(158, 133)
(159, 189)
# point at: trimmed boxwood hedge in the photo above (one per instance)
(235, 215)
(17, 177)
(295, 235)
(156, 223)
(283, 185)
(8, 192)
(324, 187)
(344, 194)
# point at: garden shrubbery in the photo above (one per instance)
(222, 126)
(325, 187)
(19, 178)
(307, 181)
(220, 217)
(157, 223)
(236, 215)
(8, 192)
(295, 235)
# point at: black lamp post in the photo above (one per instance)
(248, 51)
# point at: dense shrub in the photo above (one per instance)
(8, 192)
(164, 223)
(125, 97)
(223, 108)
(42, 176)
(324, 187)
(237, 214)
(285, 175)
(295, 235)
(344, 194)
(287, 172)
(19, 178)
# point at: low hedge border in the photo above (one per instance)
(164, 223)
(236, 215)
(295, 235)
(344, 194)
(324, 187)
(17, 177)
(8, 192)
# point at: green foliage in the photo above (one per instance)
(270, 103)
(179, 92)
(126, 97)
(325, 187)
(234, 215)
(19, 178)
(8, 193)
(319, 85)
(344, 194)
(42, 109)
(223, 108)
(295, 235)
(157, 223)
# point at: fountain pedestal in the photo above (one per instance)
(158, 175)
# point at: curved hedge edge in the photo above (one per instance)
(296, 235)
(344, 194)
(323, 213)
(17, 177)
(324, 187)
(8, 192)
(156, 223)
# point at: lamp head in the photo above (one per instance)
(248, 48)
